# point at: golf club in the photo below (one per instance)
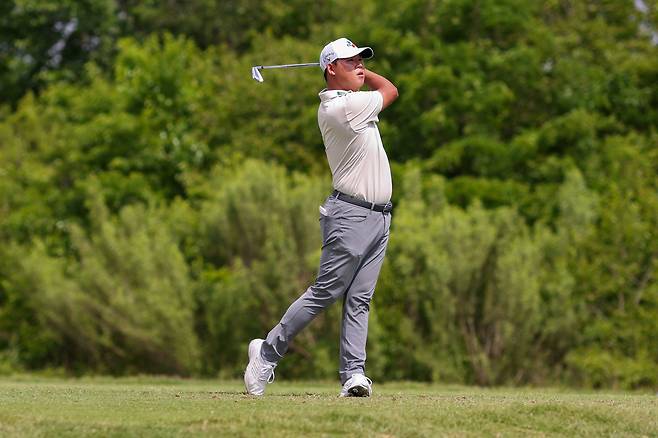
(255, 71)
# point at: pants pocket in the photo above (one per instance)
(353, 213)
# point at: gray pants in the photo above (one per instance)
(354, 241)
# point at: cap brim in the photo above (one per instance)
(364, 52)
(367, 53)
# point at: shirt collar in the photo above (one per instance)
(326, 95)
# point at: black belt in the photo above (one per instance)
(381, 208)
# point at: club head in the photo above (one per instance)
(255, 73)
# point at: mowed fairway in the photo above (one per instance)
(31, 406)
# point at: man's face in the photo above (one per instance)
(349, 73)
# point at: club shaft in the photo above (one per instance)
(308, 64)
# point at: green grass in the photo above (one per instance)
(32, 406)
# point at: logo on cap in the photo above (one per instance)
(350, 44)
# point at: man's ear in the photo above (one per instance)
(331, 69)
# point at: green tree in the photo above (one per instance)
(472, 295)
(47, 40)
(115, 308)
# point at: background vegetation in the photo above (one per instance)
(158, 208)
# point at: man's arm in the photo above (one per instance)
(379, 83)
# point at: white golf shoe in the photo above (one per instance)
(259, 372)
(357, 386)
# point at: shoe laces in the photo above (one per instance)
(267, 372)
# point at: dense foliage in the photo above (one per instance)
(158, 208)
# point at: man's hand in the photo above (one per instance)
(379, 83)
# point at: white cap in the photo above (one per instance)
(340, 49)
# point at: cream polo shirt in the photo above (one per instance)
(358, 162)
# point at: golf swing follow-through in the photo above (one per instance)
(355, 219)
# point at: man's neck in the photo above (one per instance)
(333, 86)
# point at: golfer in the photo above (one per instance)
(355, 219)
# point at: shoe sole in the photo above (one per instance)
(358, 391)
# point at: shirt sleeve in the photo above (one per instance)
(362, 108)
